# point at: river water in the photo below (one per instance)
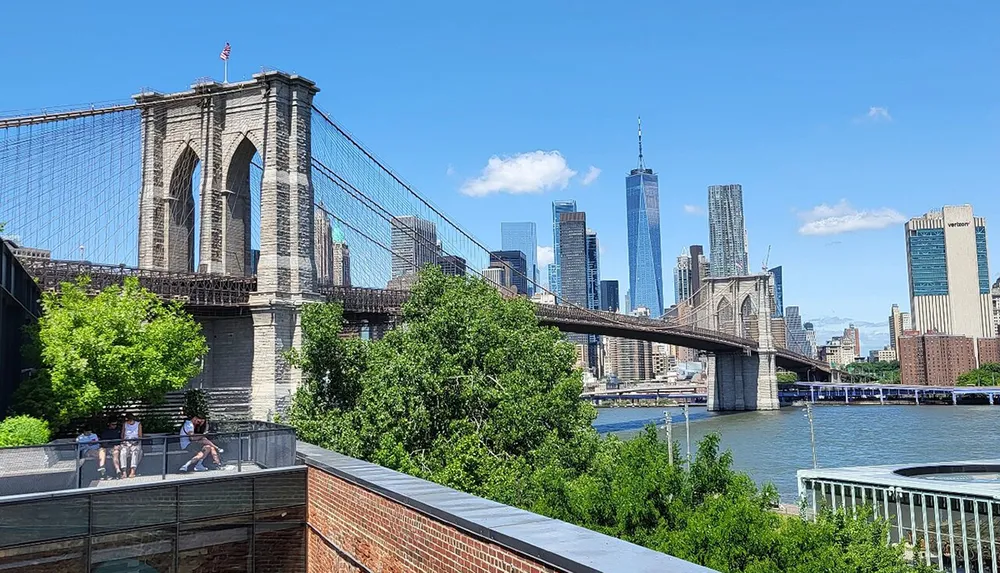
(771, 446)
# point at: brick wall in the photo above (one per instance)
(383, 535)
(989, 350)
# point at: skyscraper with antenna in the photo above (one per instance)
(645, 267)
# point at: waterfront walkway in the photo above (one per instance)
(882, 393)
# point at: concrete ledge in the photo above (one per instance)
(549, 541)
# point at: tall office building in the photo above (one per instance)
(340, 257)
(414, 244)
(727, 231)
(682, 278)
(645, 266)
(609, 295)
(779, 296)
(852, 338)
(573, 265)
(518, 265)
(895, 327)
(810, 339)
(996, 307)
(698, 259)
(635, 357)
(593, 297)
(796, 335)
(555, 269)
(593, 271)
(522, 237)
(453, 265)
(949, 273)
(322, 245)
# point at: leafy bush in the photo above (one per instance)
(23, 431)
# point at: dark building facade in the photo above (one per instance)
(518, 264)
(573, 265)
(452, 265)
(19, 306)
(779, 297)
(609, 296)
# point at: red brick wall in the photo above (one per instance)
(989, 350)
(388, 537)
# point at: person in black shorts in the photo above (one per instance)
(110, 440)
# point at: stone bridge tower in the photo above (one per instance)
(203, 142)
(741, 306)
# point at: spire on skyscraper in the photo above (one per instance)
(641, 166)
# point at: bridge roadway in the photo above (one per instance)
(223, 295)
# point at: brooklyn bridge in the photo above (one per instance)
(214, 196)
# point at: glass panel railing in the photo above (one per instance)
(68, 464)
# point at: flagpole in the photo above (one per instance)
(225, 71)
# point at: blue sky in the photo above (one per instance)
(875, 110)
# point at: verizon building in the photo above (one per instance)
(949, 272)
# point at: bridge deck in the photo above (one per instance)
(227, 294)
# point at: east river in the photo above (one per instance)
(771, 446)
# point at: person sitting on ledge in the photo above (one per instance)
(87, 444)
(192, 441)
(110, 440)
(131, 449)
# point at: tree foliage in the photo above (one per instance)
(472, 393)
(108, 350)
(887, 372)
(787, 377)
(986, 375)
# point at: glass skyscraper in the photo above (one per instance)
(645, 266)
(555, 271)
(517, 262)
(609, 295)
(779, 296)
(727, 231)
(593, 295)
(522, 237)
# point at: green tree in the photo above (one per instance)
(787, 377)
(986, 375)
(472, 393)
(108, 350)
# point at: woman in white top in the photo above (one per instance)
(131, 449)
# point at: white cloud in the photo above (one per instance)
(450, 171)
(531, 172)
(843, 218)
(545, 256)
(592, 174)
(693, 210)
(876, 113)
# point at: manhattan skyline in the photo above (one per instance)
(841, 129)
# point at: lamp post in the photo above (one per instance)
(812, 432)
(687, 431)
(670, 436)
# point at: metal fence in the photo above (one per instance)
(241, 447)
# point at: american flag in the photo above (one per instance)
(225, 52)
